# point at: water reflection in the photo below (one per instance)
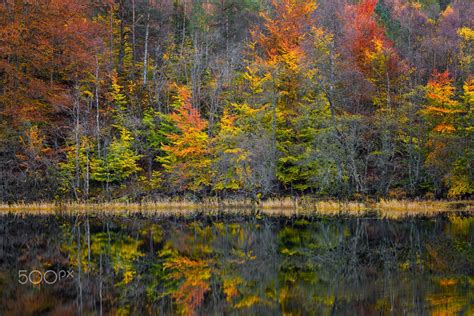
(238, 265)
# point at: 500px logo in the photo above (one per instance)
(36, 277)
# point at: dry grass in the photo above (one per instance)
(282, 207)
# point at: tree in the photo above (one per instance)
(186, 158)
(243, 152)
(289, 101)
(119, 162)
(442, 108)
(451, 136)
(76, 170)
(231, 167)
(373, 67)
(282, 97)
(46, 50)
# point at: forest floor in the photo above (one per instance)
(279, 207)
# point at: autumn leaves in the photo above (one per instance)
(137, 99)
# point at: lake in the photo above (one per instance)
(236, 264)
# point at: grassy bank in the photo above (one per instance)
(286, 206)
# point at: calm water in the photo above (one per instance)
(236, 265)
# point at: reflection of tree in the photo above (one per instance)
(183, 271)
(320, 266)
(310, 265)
(122, 252)
(245, 265)
(244, 251)
(104, 256)
(194, 278)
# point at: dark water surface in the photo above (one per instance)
(248, 265)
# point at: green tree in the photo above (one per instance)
(120, 161)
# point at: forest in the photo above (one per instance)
(144, 99)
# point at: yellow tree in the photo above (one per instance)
(279, 79)
(461, 177)
(442, 108)
(448, 119)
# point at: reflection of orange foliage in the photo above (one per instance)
(448, 282)
(190, 295)
(196, 275)
(446, 304)
(249, 301)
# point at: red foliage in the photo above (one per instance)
(362, 31)
(45, 47)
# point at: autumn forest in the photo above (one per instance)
(137, 99)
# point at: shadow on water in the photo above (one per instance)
(236, 265)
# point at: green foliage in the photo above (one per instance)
(392, 27)
(119, 162)
(244, 157)
(461, 177)
(75, 171)
(156, 126)
(231, 161)
(300, 165)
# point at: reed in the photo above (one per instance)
(284, 206)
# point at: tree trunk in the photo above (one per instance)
(145, 55)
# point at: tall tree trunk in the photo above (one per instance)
(145, 55)
(77, 140)
(133, 31)
(121, 55)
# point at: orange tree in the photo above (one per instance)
(186, 158)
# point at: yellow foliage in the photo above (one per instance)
(248, 301)
(231, 288)
(468, 88)
(466, 33)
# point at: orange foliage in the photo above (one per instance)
(442, 108)
(285, 32)
(195, 275)
(187, 159)
(187, 118)
(440, 92)
(189, 122)
(362, 28)
(33, 144)
(44, 46)
(448, 282)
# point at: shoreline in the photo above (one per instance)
(281, 207)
